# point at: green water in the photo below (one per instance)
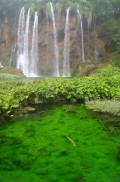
(37, 148)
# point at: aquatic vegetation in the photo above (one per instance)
(40, 148)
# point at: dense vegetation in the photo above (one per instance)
(15, 94)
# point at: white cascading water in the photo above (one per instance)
(82, 36)
(66, 64)
(1, 65)
(25, 61)
(12, 55)
(56, 49)
(20, 38)
(33, 71)
(23, 42)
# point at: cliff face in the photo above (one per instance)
(7, 38)
(94, 47)
(46, 42)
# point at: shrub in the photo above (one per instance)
(14, 94)
(107, 71)
(116, 59)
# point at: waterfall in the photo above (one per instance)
(23, 42)
(56, 49)
(25, 62)
(12, 54)
(96, 54)
(88, 42)
(66, 64)
(82, 36)
(33, 71)
(20, 38)
(1, 65)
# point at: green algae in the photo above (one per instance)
(36, 148)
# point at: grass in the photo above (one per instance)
(37, 148)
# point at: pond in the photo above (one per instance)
(58, 143)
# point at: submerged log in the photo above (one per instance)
(73, 143)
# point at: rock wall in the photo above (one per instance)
(7, 39)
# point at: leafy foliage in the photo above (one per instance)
(107, 71)
(16, 94)
(98, 7)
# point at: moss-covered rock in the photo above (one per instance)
(105, 106)
(10, 73)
